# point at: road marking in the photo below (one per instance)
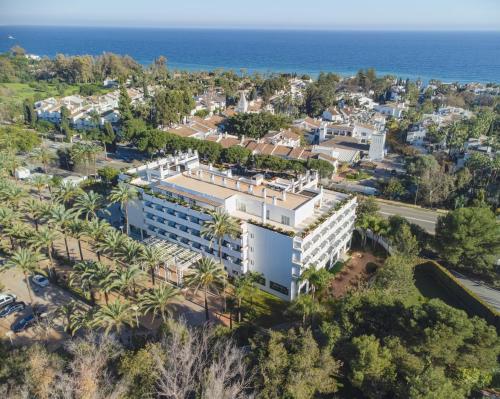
(408, 217)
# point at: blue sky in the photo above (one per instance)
(311, 14)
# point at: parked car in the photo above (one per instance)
(12, 308)
(23, 324)
(6, 299)
(40, 280)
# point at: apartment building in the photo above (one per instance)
(286, 225)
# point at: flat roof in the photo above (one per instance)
(217, 189)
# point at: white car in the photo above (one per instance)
(40, 280)
(5, 299)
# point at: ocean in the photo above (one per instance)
(448, 56)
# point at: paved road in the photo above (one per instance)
(487, 294)
(424, 218)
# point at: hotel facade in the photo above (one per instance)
(286, 225)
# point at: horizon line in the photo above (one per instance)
(262, 28)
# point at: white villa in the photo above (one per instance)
(286, 225)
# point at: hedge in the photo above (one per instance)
(474, 305)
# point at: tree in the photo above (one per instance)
(62, 217)
(220, 225)
(97, 230)
(394, 188)
(292, 365)
(45, 238)
(29, 113)
(27, 261)
(44, 156)
(89, 203)
(124, 106)
(396, 277)
(112, 243)
(306, 306)
(76, 229)
(237, 155)
(158, 300)
(126, 280)
(469, 238)
(317, 278)
(114, 317)
(405, 242)
(123, 194)
(371, 366)
(207, 275)
(40, 182)
(152, 257)
(87, 276)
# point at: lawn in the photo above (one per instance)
(431, 288)
(358, 175)
(265, 310)
(16, 93)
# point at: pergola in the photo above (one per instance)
(174, 257)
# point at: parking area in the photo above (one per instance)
(47, 300)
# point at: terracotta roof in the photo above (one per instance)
(229, 142)
(281, 151)
(183, 131)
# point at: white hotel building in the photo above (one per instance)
(286, 225)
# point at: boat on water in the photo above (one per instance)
(11, 37)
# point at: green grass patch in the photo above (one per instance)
(16, 93)
(264, 309)
(359, 175)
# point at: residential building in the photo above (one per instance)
(286, 225)
(391, 109)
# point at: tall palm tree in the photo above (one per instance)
(35, 209)
(112, 243)
(87, 275)
(12, 195)
(76, 229)
(208, 274)
(220, 225)
(305, 305)
(97, 229)
(151, 257)
(123, 194)
(44, 238)
(89, 203)
(17, 233)
(61, 217)
(130, 252)
(67, 311)
(126, 280)
(27, 261)
(7, 219)
(114, 317)
(158, 300)
(242, 286)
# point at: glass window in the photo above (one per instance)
(285, 220)
(278, 287)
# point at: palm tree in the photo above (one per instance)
(34, 208)
(17, 232)
(152, 257)
(76, 229)
(130, 252)
(12, 195)
(40, 182)
(244, 286)
(27, 261)
(317, 278)
(45, 238)
(89, 203)
(108, 284)
(306, 306)
(158, 300)
(87, 275)
(112, 243)
(220, 225)
(61, 217)
(127, 279)
(97, 229)
(207, 275)
(67, 192)
(123, 194)
(114, 317)
(45, 156)
(67, 311)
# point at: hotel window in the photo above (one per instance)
(251, 249)
(285, 220)
(268, 212)
(241, 207)
(278, 287)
